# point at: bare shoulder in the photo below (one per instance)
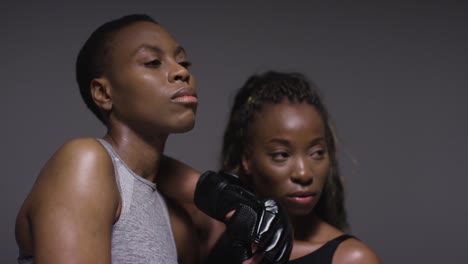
(354, 251)
(74, 197)
(80, 167)
(81, 149)
(77, 162)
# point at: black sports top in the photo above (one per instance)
(324, 254)
(222, 252)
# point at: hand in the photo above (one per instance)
(261, 222)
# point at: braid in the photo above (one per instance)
(273, 88)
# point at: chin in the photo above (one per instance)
(298, 210)
(183, 122)
(183, 127)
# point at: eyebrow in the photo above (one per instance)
(156, 49)
(280, 141)
(179, 50)
(288, 143)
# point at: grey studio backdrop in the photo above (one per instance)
(394, 74)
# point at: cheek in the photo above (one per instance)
(192, 81)
(322, 174)
(270, 182)
(151, 79)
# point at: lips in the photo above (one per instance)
(302, 197)
(185, 95)
(302, 194)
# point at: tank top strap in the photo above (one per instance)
(110, 150)
(341, 238)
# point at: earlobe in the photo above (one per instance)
(100, 92)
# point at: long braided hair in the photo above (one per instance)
(272, 88)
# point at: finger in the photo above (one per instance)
(254, 248)
(230, 214)
(255, 259)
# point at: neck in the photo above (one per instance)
(141, 154)
(305, 226)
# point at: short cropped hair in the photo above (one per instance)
(94, 57)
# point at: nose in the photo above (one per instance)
(179, 73)
(301, 174)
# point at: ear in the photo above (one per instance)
(101, 93)
(245, 163)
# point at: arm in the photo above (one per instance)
(353, 251)
(73, 205)
(184, 234)
(177, 181)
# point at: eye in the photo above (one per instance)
(185, 64)
(318, 154)
(279, 156)
(153, 63)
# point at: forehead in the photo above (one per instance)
(287, 118)
(127, 41)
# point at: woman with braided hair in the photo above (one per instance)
(279, 140)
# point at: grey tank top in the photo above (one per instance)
(143, 233)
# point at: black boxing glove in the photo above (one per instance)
(259, 221)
